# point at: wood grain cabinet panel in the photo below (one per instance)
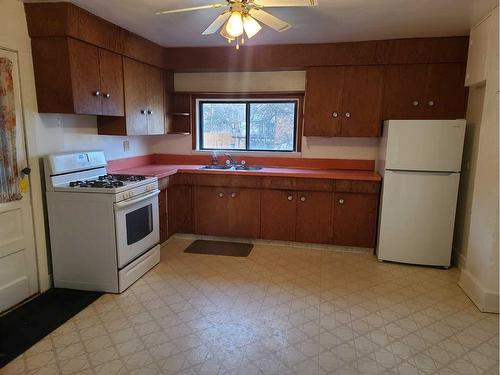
(344, 101)
(278, 215)
(323, 101)
(243, 209)
(355, 219)
(154, 98)
(135, 121)
(180, 209)
(362, 101)
(314, 217)
(425, 91)
(211, 211)
(111, 75)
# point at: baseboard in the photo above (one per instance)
(459, 260)
(486, 301)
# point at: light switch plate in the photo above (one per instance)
(126, 145)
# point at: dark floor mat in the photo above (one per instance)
(25, 326)
(233, 249)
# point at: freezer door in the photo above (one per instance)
(435, 145)
(417, 217)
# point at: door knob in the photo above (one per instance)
(233, 195)
(415, 103)
(431, 103)
(107, 95)
(335, 114)
(348, 114)
(341, 201)
(221, 195)
(150, 112)
(97, 93)
(302, 199)
(26, 171)
(143, 112)
(290, 198)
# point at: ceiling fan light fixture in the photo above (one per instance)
(251, 26)
(234, 25)
(226, 35)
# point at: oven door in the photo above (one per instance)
(137, 226)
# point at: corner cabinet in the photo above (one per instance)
(144, 102)
(76, 77)
(344, 101)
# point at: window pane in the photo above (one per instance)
(272, 126)
(223, 125)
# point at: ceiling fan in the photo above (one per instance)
(242, 17)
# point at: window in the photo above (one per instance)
(248, 124)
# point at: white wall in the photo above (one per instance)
(478, 244)
(48, 133)
(312, 147)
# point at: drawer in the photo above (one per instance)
(355, 186)
(250, 182)
(288, 183)
(180, 179)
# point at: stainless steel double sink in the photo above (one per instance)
(231, 167)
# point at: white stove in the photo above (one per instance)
(104, 228)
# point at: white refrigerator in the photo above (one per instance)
(420, 162)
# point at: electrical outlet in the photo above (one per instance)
(126, 145)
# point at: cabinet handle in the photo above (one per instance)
(335, 114)
(290, 198)
(221, 195)
(302, 199)
(107, 95)
(150, 112)
(97, 93)
(348, 114)
(233, 195)
(143, 112)
(341, 201)
(431, 103)
(415, 103)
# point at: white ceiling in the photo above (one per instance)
(330, 21)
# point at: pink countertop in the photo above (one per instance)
(165, 170)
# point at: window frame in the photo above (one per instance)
(248, 98)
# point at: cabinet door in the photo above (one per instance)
(323, 101)
(111, 73)
(244, 213)
(179, 210)
(277, 217)
(446, 95)
(362, 101)
(162, 212)
(135, 97)
(154, 100)
(355, 219)
(314, 217)
(84, 62)
(405, 88)
(211, 211)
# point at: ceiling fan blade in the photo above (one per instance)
(211, 6)
(285, 3)
(216, 25)
(269, 20)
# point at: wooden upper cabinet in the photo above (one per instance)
(71, 77)
(323, 101)
(144, 102)
(154, 100)
(111, 74)
(425, 91)
(362, 101)
(344, 101)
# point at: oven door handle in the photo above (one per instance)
(129, 202)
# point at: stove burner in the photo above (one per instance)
(108, 181)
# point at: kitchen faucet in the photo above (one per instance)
(230, 160)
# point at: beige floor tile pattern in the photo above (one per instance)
(282, 310)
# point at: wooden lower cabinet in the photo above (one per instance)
(227, 212)
(314, 217)
(179, 209)
(278, 215)
(355, 219)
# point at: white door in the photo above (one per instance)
(18, 270)
(417, 217)
(425, 145)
